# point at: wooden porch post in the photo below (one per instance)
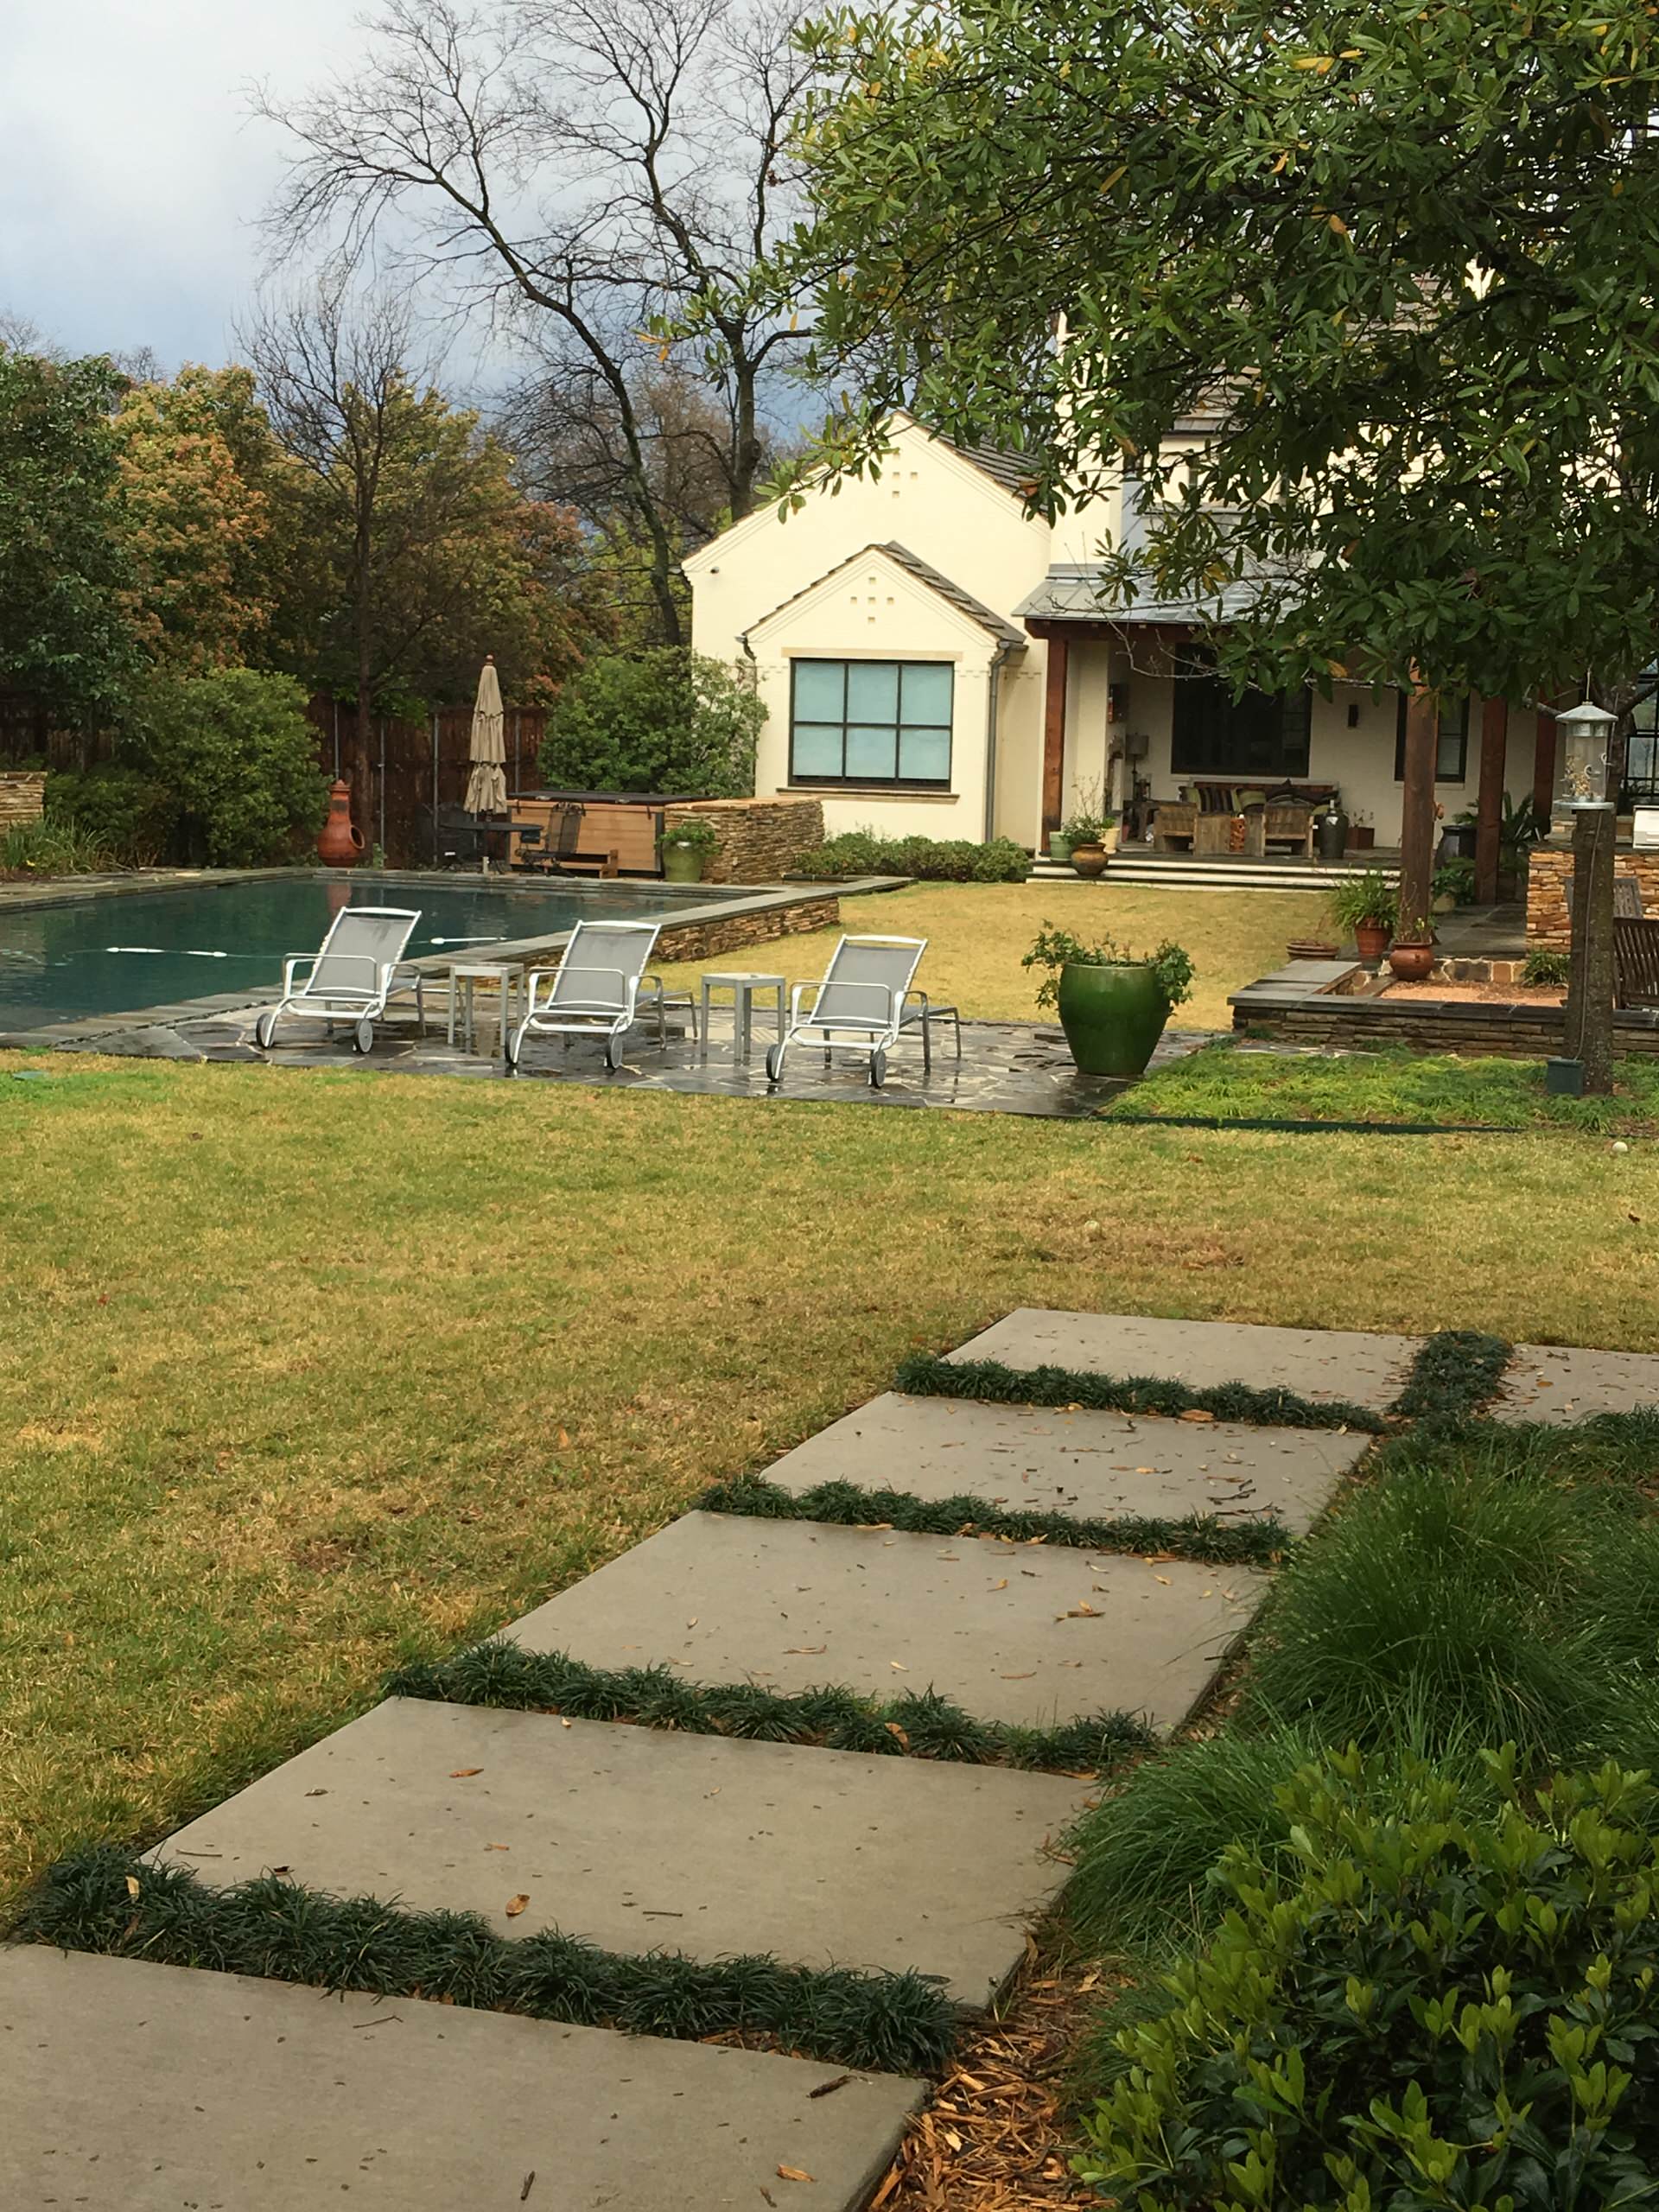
(1054, 735)
(1417, 808)
(1488, 806)
(1544, 765)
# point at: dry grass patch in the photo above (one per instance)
(308, 1372)
(978, 933)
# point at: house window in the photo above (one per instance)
(1452, 755)
(870, 721)
(1256, 737)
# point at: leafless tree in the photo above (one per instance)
(590, 169)
(332, 369)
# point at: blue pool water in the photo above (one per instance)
(118, 953)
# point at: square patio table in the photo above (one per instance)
(464, 975)
(744, 985)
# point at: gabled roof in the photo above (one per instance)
(1012, 471)
(965, 603)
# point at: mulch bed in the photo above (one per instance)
(997, 2134)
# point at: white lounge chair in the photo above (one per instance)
(359, 964)
(600, 988)
(864, 1004)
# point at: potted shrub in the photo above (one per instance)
(1112, 1003)
(1059, 847)
(1368, 905)
(687, 847)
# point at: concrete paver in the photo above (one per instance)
(639, 1840)
(1567, 1383)
(1015, 1632)
(1370, 1370)
(1090, 1466)
(126, 2087)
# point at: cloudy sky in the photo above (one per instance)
(130, 172)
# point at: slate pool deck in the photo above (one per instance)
(131, 2087)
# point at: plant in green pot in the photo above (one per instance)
(1112, 1002)
(1368, 906)
(688, 847)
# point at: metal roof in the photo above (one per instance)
(1073, 594)
(963, 601)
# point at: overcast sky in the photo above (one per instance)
(130, 172)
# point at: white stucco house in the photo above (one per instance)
(934, 658)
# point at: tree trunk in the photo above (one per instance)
(1590, 987)
(1488, 806)
(1417, 810)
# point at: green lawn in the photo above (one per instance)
(1389, 1086)
(309, 1371)
(977, 933)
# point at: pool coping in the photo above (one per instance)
(83, 1035)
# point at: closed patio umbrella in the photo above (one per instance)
(486, 787)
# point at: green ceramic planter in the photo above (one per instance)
(1112, 1017)
(682, 864)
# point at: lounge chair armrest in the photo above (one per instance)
(797, 997)
(291, 967)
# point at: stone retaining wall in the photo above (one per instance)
(704, 940)
(1549, 870)
(22, 797)
(1507, 1031)
(760, 839)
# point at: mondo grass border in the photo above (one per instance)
(918, 1724)
(1260, 1542)
(107, 1900)
(925, 1375)
(1454, 1378)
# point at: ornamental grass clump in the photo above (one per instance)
(1486, 1601)
(1435, 2004)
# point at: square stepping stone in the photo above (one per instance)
(1370, 1371)
(640, 1840)
(126, 2087)
(1567, 1382)
(1017, 1632)
(1089, 1466)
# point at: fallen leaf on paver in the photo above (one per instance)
(497, 1846)
(1083, 1612)
(1031, 1677)
(461, 1773)
(897, 1734)
(829, 2088)
(695, 1618)
(1003, 1584)
(897, 1666)
(803, 1650)
(1195, 1413)
(516, 1905)
(316, 1793)
(792, 2173)
(1164, 1578)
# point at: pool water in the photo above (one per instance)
(118, 953)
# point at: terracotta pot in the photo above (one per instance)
(1113, 1017)
(1090, 860)
(1310, 948)
(339, 842)
(1372, 939)
(1411, 962)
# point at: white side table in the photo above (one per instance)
(505, 979)
(743, 986)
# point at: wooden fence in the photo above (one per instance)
(405, 763)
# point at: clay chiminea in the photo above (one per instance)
(340, 841)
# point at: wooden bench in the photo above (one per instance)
(614, 838)
(1636, 960)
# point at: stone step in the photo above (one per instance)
(1370, 1370)
(1088, 1466)
(1559, 1384)
(638, 1839)
(1000, 1629)
(126, 2087)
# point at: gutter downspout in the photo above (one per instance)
(994, 692)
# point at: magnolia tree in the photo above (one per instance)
(1402, 262)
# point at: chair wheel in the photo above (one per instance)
(263, 1030)
(612, 1057)
(363, 1036)
(878, 1068)
(774, 1064)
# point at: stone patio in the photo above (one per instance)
(1006, 1067)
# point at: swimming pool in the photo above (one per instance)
(118, 952)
